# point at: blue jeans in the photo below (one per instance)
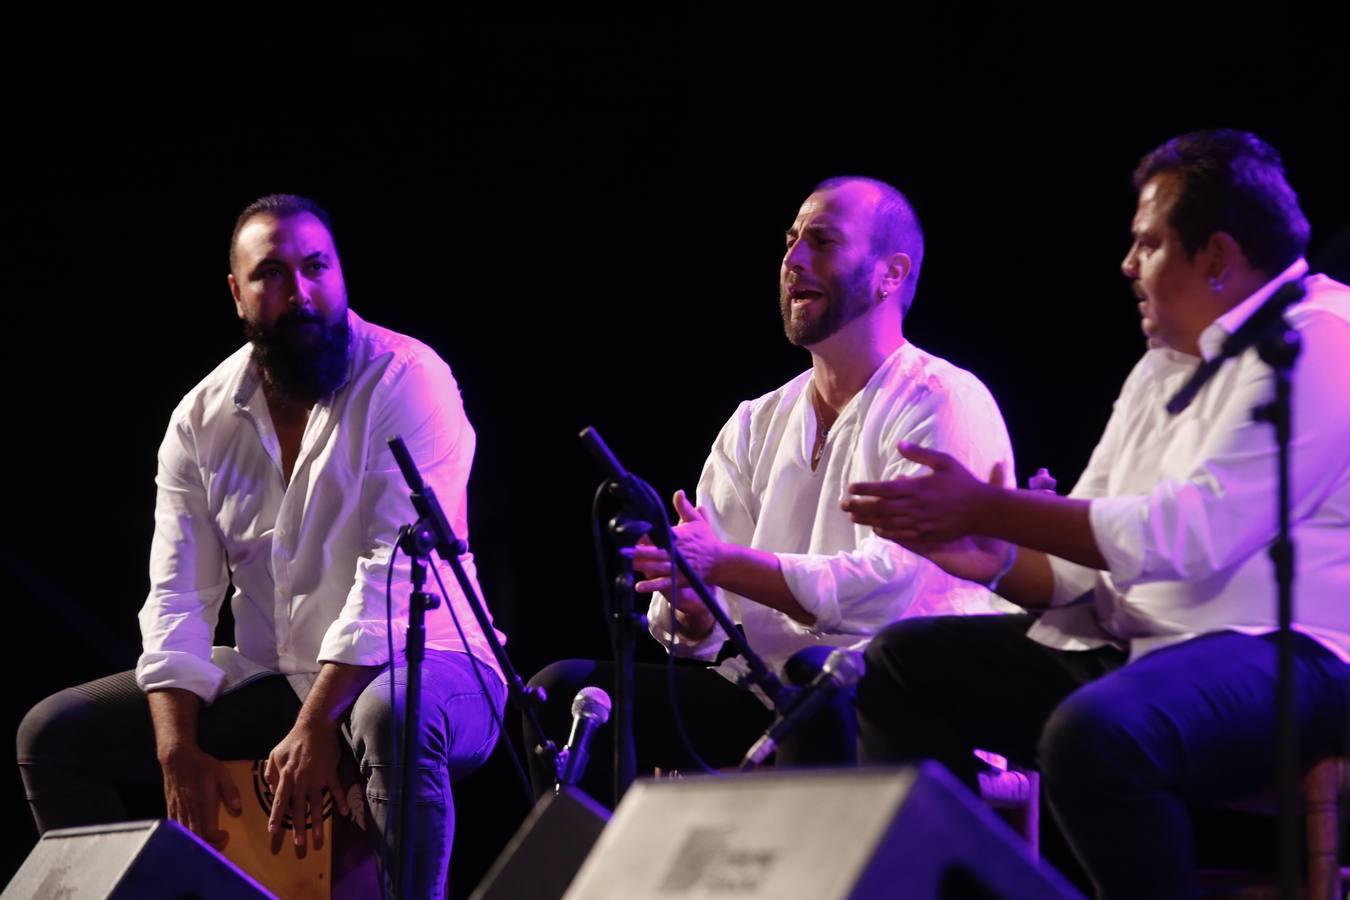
(1125, 751)
(87, 754)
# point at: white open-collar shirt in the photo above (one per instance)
(308, 559)
(1183, 507)
(758, 490)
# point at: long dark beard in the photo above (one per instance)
(298, 370)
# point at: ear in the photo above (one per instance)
(234, 292)
(1223, 257)
(898, 266)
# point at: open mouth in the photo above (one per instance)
(804, 298)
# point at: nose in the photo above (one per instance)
(1129, 266)
(300, 291)
(794, 258)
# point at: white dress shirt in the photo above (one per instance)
(758, 490)
(1184, 507)
(308, 559)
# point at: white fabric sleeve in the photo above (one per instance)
(860, 591)
(188, 576)
(1223, 509)
(420, 401)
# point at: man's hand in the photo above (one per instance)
(195, 783)
(299, 770)
(701, 549)
(925, 509)
(974, 558)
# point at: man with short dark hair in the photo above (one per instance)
(275, 478)
(767, 533)
(1149, 684)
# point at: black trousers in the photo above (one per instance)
(722, 720)
(1125, 751)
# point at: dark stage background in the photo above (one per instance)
(584, 215)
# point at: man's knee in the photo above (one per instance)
(898, 652)
(1095, 735)
(54, 726)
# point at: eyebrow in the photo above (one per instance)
(815, 226)
(273, 261)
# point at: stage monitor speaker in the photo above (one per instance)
(152, 860)
(543, 857)
(826, 835)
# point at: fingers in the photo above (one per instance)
(652, 585)
(900, 487)
(281, 798)
(314, 802)
(925, 456)
(997, 477)
(205, 815)
(229, 792)
(687, 511)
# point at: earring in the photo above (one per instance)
(883, 293)
(1215, 284)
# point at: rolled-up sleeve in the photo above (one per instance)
(1222, 510)
(859, 591)
(188, 577)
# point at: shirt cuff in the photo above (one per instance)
(1072, 581)
(158, 670)
(360, 642)
(659, 626)
(811, 580)
(1118, 528)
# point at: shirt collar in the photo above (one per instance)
(1212, 338)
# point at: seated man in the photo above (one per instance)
(275, 477)
(767, 533)
(1159, 691)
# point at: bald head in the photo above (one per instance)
(893, 226)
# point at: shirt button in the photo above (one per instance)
(284, 648)
(282, 532)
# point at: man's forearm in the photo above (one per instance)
(1030, 583)
(1059, 526)
(335, 690)
(758, 576)
(173, 714)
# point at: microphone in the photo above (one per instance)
(590, 710)
(842, 670)
(1245, 335)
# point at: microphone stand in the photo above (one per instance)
(641, 502)
(1280, 349)
(432, 531)
(625, 530)
(1278, 346)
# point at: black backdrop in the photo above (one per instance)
(583, 213)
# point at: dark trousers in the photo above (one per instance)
(722, 719)
(87, 754)
(1124, 750)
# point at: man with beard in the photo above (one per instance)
(767, 532)
(274, 477)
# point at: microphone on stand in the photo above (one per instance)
(590, 710)
(842, 669)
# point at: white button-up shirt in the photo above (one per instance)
(1184, 507)
(308, 559)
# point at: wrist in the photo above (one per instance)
(724, 559)
(1009, 559)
